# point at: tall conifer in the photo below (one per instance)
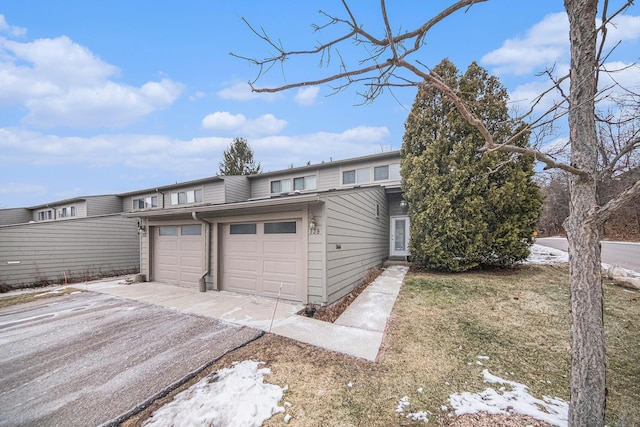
(468, 209)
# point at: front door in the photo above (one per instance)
(399, 236)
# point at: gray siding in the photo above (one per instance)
(260, 187)
(103, 205)
(329, 178)
(357, 239)
(15, 216)
(82, 210)
(212, 192)
(97, 246)
(394, 205)
(316, 258)
(237, 189)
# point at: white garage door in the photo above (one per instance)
(260, 257)
(178, 254)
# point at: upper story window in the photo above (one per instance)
(145, 202)
(186, 197)
(387, 172)
(45, 215)
(363, 175)
(301, 183)
(356, 176)
(67, 212)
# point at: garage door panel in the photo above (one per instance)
(191, 261)
(280, 247)
(282, 267)
(166, 243)
(241, 245)
(258, 263)
(237, 266)
(178, 259)
(272, 288)
(242, 283)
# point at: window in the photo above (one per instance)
(288, 227)
(349, 177)
(363, 175)
(281, 186)
(191, 230)
(394, 171)
(185, 197)
(67, 212)
(304, 183)
(145, 202)
(381, 173)
(168, 231)
(356, 176)
(298, 184)
(243, 229)
(45, 215)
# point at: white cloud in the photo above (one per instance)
(277, 152)
(183, 159)
(11, 29)
(307, 95)
(224, 121)
(109, 105)
(267, 124)
(62, 83)
(197, 95)
(625, 27)
(241, 91)
(546, 44)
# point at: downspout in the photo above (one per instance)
(207, 251)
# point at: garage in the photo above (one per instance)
(261, 257)
(178, 254)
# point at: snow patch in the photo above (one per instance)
(231, 397)
(542, 255)
(512, 397)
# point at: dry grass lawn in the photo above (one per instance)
(440, 325)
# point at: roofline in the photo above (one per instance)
(162, 188)
(65, 201)
(275, 201)
(369, 157)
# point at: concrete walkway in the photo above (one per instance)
(357, 332)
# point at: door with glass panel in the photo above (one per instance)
(399, 236)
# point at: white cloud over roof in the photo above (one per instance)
(224, 121)
(61, 83)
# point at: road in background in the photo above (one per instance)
(624, 254)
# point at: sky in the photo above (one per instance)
(112, 97)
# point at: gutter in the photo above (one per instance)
(207, 250)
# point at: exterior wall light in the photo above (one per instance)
(313, 223)
(141, 228)
(403, 203)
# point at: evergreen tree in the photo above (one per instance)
(468, 209)
(238, 159)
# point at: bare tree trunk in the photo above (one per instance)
(588, 371)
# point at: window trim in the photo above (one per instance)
(306, 183)
(182, 197)
(144, 202)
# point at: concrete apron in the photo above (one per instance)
(357, 332)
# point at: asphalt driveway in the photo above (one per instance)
(88, 359)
